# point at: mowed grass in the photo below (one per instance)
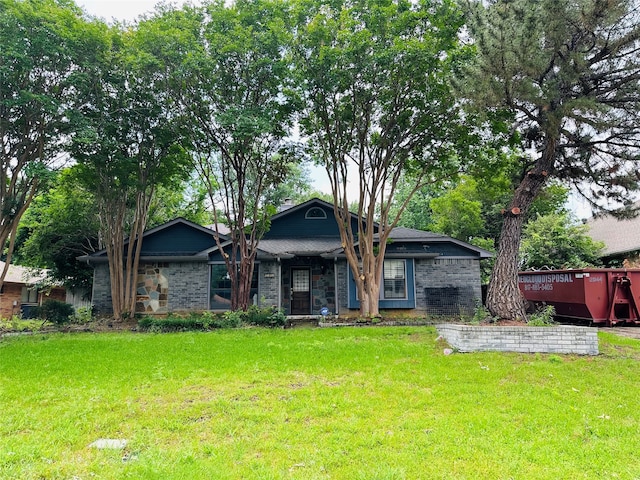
(349, 403)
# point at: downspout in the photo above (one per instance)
(279, 290)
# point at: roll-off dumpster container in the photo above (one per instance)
(600, 295)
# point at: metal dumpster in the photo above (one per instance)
(604, 296)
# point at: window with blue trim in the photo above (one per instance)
(394, 280)
(397, 285)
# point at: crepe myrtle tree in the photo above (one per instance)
(566, 75)
(127, 143)
(374, 76)
(231, 76)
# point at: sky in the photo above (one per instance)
(119, 9)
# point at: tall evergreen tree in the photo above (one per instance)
(568, 75)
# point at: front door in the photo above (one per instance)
(300, 291)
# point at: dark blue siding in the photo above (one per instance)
(444, 249)
(295, 225)
(179, 239)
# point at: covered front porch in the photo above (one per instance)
(308, 286)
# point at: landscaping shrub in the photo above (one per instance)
(543, 317)
(266, 317)
(171, 324)
(55, 311)
(82, 315)
(261, 317)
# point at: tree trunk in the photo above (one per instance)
(504, 299)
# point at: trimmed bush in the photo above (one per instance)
(266, 317)
(261, 317)
(55, 311)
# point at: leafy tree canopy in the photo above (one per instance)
(557, 241)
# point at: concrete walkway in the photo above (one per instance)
(631, 332)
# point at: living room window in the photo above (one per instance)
(221, 287)
(394, 279)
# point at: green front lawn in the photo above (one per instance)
(350, 403)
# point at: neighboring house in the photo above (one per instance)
(621, 238)
(300, 267)
(19, 293)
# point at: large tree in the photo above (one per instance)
(60, 225)
(129, 143)
(232, 79)
(378, 104)
(40, 49)
(567, 73)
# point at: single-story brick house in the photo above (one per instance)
(20, 293)
(300, 268)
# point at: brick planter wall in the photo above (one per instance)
(562, 339)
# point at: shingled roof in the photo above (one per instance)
(22, 275)
(619, 236)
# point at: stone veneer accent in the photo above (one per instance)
(562, 339)
(152, 288)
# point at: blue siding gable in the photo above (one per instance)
(310, 219)
(178, 239)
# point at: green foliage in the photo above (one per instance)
(557, 241)
(60, 225)
(82, 315)
(265, 316)
(17, 324)
(544, 317)
(55, 311)
(256, 316)
(39, 58)
(482, 315)
(230, 72)
(457, 213)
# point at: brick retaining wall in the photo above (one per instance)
(562, 339)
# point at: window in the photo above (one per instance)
(29, 295)
(397, 285)
(221, 287)
(395, 279)
(315, 212)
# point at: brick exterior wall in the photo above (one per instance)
(188, 284)
(564, 339)
(268, 279)
(447, 286)
(188, 287)
(12, 293)
(462, 274)
(342, 287)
